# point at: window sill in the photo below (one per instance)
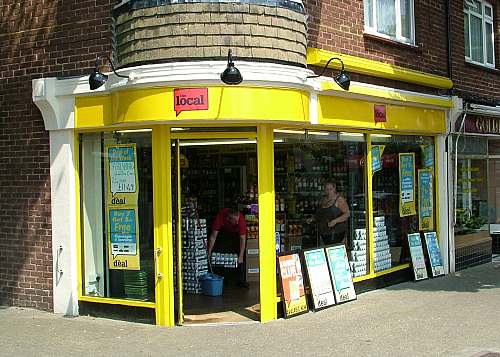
(392, 42)
(479, 66)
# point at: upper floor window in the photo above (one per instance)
(478, 32)
(393, 19)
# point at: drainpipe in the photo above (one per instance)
(448, 35)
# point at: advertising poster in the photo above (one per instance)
(343, 287)
(292, 285)
(417, 256)
(121, 207)
(407, 184)
(319, 278)
(427, 156)
(425, 200)
(434, 252)
(376, 158)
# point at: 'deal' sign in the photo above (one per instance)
(341, 273)
(434, 253)
(319, 278)
(417, 256)
(292, 285)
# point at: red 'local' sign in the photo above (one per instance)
(379, 114)
(190, 99)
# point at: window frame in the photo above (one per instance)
(372, 30)
(485, 19)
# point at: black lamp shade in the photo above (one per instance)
(343, 80)
(97, 79)
(231, 75)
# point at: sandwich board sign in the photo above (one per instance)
(343, 287)
(434, 252)
(319, 278)
(292, 285)
(417, 256)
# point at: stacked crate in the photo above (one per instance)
(358, 253)
(194, 254)
(382, 250)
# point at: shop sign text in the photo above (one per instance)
(187, 99)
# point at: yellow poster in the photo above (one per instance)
(121, 207)
(407, 184)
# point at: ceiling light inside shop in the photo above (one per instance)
(134, 131)
(177, 129)
(321, 133)
(381, 135)
(355, 135)
(222, 142)
(289, 131)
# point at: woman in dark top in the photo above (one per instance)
(332, 215)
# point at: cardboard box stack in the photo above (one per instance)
(252, 260)
(194, 256)
(382, 254)
(358, 253)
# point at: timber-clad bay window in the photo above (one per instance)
(392, 19)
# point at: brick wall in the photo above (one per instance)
(338, 26)
(470, 79)
(37, 39)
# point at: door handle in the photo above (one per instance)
(157, 263)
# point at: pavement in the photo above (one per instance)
(455, 315)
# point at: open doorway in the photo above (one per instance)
(215, 214)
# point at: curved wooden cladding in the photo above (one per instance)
(205, 31)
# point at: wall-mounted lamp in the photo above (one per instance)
(342, 79)
(231, 74)
(97, 78)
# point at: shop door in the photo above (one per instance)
(209, 175)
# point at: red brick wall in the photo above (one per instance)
(470, 79)
(37, 39)
(338, 26)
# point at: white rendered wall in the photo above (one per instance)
(444, 234)
(63, 197)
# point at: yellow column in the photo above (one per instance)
(267, 242)
(369, 204)
(162, 213)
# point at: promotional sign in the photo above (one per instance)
(407, 184)
(292, 285)
(434, 252)
(379, 115)
(343, 287)
(376, 158)
(425, 200)
(186, 99)
(319, 278)
(121, 207)
(417, 256)
(427, 156)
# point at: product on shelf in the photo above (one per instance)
(194, 255)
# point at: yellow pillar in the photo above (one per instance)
(162, 213)
(369, 205)
(267, 243)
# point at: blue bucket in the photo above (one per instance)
(212, 284)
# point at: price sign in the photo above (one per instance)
(417, 256)
(434, 253)
(341, 273)
(319, 278)
(292, 285)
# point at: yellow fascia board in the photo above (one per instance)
(389, 95)
(318, 57)
(237, 104)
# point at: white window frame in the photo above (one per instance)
(372, 30)
(484, 20)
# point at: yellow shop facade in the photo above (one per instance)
(141, 166)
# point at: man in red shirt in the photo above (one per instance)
(228, 235)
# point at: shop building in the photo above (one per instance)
(474, 121)
(266, 146)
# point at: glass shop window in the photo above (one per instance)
(320, 192)
(117, 215)
(403, 194)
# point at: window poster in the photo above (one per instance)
(343, 287)
(376, 158)
(407, 184)
(121, 207)
(427, 156)
(319, 278)
(434, 252)
(417, 256)
(425, 200)
(292, 285)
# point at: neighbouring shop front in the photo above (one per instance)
(151, 175)
(476, 149)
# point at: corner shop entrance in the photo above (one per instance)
(212, 171)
